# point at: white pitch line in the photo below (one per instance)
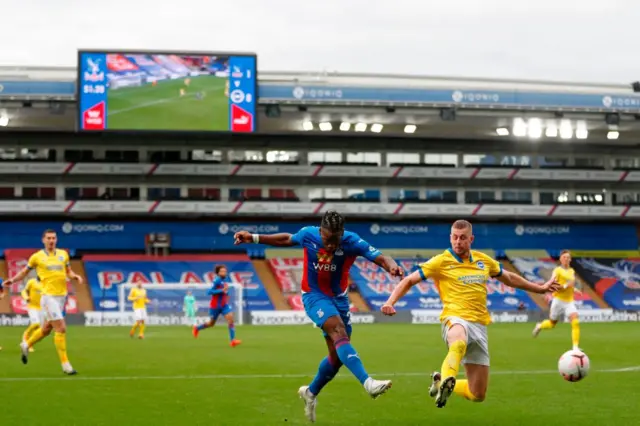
(279, 376)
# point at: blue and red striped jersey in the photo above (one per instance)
(325, 272)
(218, 297)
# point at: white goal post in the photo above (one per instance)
(168, 299)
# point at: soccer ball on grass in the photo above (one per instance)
(573, 365)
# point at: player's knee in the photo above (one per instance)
(479, 396)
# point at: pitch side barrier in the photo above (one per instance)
(272, 318)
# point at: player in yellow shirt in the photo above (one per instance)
(31, 294)
(563, 303)
(138, 296)
(461, 275)
(53, 267)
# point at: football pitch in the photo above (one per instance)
(170, 378)
(202, 106)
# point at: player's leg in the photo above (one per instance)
(34, 324)
(474, 388)
(47, 307)
(476, 363)
(214, 313)
(456, 335)
(228, 315)
(556, 309)
(572, 314)
(327, 370)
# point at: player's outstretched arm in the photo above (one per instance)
(516, 281)
(389, 264)
(275, 240)
(401, 289)
(17, 277)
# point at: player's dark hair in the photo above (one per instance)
(48, 231)
(332, 221)
(219, 268)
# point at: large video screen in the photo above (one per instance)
(133, 91)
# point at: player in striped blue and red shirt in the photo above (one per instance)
(220, 305)
(329, 252)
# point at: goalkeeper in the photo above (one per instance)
(189, 308)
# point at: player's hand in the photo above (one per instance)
(551, 286)
(388, 309)
(242, 237)
(396, 271)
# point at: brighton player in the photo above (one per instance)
(461, 275)
(53, 267)
(138, 295)
(189, 307)
(32, 294)
(220, 305)
(562, 303)
(329, 252)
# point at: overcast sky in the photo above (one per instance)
(587, 40)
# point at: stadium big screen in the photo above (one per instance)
(166, 91)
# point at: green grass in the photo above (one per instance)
(173, 379)
(161, 107)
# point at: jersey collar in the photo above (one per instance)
(458, 258)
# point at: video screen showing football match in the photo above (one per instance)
(171, 92)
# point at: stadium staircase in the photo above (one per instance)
(358, 301)
(5, 303)
(270, 284)
(506, 263)
(83, 292)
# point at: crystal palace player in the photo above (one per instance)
(329, 252)
(220, 305)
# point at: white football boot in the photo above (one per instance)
(444, 391)
(537, 329)
(375, 388)
(435, 384)
(310, 402)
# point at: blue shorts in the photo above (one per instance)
(319, 307)
(215, 312)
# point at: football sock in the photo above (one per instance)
(35, 337)
(575, 331)
(232, 332)
(451, 363)
(60, 340)
(349, 357)
(462, 389)
(142, 329)
(547, 325)
(327, 370)
(202, 326)
(133, 329)
(29, 330)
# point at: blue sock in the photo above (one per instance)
(201, 327)
(232, 332)
(350, 359)
(326, 371)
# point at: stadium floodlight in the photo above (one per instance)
(502, 131)
(566, 132)
(582, 133)
(535, 128)
(325, 126)
(376, 128)
(613, 134)
(519, 128)
(307, 125)
(361, 127)
(344, 126)
(551, 132)
(599, 198)
(4, 121)
(410, 128)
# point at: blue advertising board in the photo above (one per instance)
(167, 91)
(105, 276)
(105, 236)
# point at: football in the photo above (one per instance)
(573, 365)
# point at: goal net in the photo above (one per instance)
(168, 299)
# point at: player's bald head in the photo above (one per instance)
(462, 225)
